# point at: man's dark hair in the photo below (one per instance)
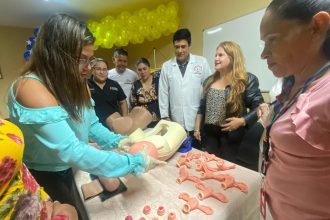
(182, 34)
(120, 51)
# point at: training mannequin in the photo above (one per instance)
(166, 136)
(161, 143)
(139, 117)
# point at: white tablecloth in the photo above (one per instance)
(158, 187)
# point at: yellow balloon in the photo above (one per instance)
(124, 15)
(174, 5)
(173, 26)
(155, 33)
(161, 9)
(115, 27)
(135, 27)
(171, 12)
(107, 43)
(143, 13)
(132, 23)
(140, 39)
(98, 41)
(150, 17)
(150, 37)
(121, 41)
(107, 20)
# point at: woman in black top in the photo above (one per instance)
(145, 91)
(231, 132)
(107, 94)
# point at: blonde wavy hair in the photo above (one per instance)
(237, 78)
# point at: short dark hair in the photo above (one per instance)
(182, 34)
(143, 60)
(302, 11)
(120, 51)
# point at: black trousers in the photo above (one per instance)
(229, 145)
(61, 186)
(195, 143)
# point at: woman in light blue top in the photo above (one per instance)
(51, 104)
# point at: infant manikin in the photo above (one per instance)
(166, 137)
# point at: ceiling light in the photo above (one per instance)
(212, 31)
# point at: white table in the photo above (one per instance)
(158, 187)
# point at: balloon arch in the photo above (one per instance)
(135, 27)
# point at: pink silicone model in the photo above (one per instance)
(183, 176)
(141, 145)
(182, 161)
(192, 204)
(146, 210)
(171, 216)
(210, 175)
(241, 186)
(221, 165)
(191, 155)
(209, 157)
(229, 182)
(202, 166)
(161, 211)
(207, 192)
(129, 217)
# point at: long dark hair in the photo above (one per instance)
(303, 11)
(55, 59)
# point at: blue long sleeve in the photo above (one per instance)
(54, 142)
(102, 135)
(79, 154)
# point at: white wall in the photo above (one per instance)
(244, 31)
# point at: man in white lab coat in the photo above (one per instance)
(180, 83)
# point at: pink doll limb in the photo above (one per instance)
(139, 117)
(109, 121)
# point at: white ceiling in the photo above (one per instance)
(31, 13)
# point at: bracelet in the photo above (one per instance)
(196, 130)
(244, 122)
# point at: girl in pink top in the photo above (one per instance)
(297, 47)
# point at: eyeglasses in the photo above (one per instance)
(86, 62)
(105, 70)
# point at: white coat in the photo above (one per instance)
(179, 97)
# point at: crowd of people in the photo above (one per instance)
(219, 110)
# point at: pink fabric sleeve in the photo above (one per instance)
(311, 115)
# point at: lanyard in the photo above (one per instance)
(283, 109)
